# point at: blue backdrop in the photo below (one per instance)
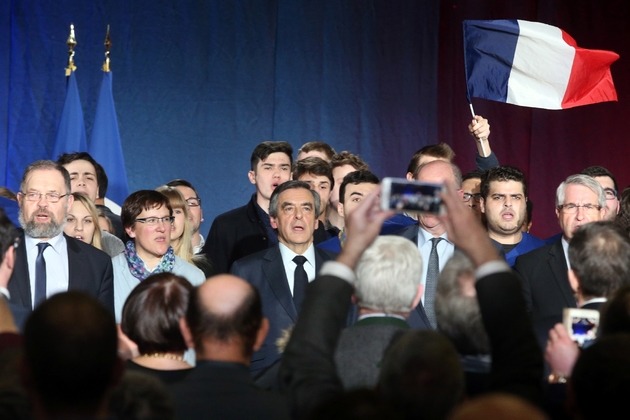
(198, 84)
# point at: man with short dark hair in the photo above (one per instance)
(194, 208)
(48, 261)
(103, 184)
(503, 201)
(282, 272)
(342, 164)
(609, 184)
(471, 183)
(316, 148)
(225, 325)
(246, 230)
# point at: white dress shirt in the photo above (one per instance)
(289, 265)
(445, 250)
(56, 256)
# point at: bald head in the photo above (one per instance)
(225, 310)
(439, 172)
(498, 406)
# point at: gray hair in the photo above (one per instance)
(289, 185)
(457, 314)
(586, 181)
(50, 166)
(388, 275)
(457, 173)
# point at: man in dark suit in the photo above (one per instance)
(387, 289)
(246, 230)
(224, 323)
(48, 261)
(282, 272)
(579, 200)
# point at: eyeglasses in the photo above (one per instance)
(153, 221)
(610, 193)
(468, 196)
(50, 197)
(573, 208)
(193, 201)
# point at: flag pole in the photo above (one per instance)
(108, 45)
(472, 111)
(71, 42)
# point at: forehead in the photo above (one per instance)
(80, 166)
(160, 211)
(471, 183)
(45, 180)
(187, 192)
(343, 170)
(437, 171)
(313, 153)
(317, 179)
(576, 193)
(296, 195)
(605, 182)
(364, 188)
(277, 158)
(79, 208)
(428, 158)
(506, 187)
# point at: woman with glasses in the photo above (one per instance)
(147, 217)
(181, 231)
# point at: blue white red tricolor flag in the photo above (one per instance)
(71, 131)
(533, 64)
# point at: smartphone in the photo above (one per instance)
(581, 324)
(404, 196)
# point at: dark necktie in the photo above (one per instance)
(40, 274)
(300, 281)
(430, 285)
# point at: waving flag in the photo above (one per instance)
(71, 130)
(533, 64)
(105, 145)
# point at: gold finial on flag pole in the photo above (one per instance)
(108, 44)
(72, 42)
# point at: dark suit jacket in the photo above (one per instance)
(220, 390)
(265, 271)
(89, 270)
(234, 235)
(308, 369)
(546, 286)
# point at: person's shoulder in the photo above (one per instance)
(86, 250)
(534, 240)
(533, 257)
(326, 254)
(193, 274)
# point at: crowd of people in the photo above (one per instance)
(311, 301)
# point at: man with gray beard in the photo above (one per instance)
(47, 260)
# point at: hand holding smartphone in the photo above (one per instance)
(404, 196)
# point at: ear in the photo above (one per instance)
(201, 214)
(98, 195)
(261, 334)
(70, 201)
(316, 224)
(482, 204)
(20, 198)
(558, 214)
(409, 176)
(602, 212)
(185, 330)
(252, 177)
(460, 192)
(274, 224)
(574, 282)
(131, 232)
(9, 258)
(340, 210)
(418, 298)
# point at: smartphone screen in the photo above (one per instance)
(404, 196)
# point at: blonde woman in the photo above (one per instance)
(181, 230)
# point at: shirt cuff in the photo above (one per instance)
(5, 292)
(491, 267)
(337, 269)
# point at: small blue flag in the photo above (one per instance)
(71, 131)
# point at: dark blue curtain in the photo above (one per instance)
(198, 84)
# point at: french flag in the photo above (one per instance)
(533, 64)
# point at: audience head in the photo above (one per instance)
(503, 201)
(388, 276)
(457, 310)
(192, 200)
(437, 172)
(598, 387)
(440, 151)
(471, 183)
(82, 169)
(623, 217)
(316, 148)
(421, 373)
(609, 184)
(599, 255)
(147, 217)
(82, 221)
(105, 223)
(318, 174)
(44, 199)
(527, 223)
(354, 188)
(70, 355)
(293, 212)
(225, 320)
(8, 236)
(342, 164)
(580, 199)
(102, 180)
(141, 396)
(181, 230)
(498, 406)
(150, 317)
(270, 166)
